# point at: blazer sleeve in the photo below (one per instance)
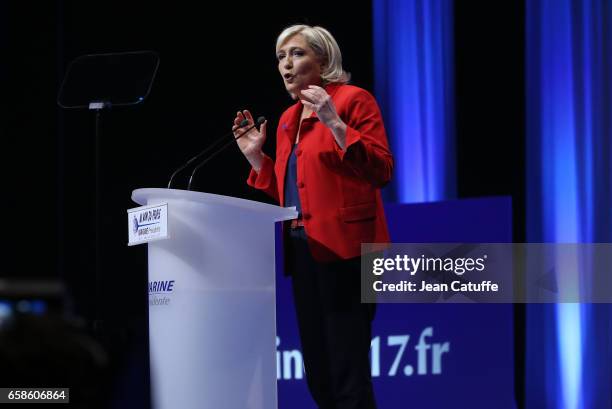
(367, 151)
(265, 179)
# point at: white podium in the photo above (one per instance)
(212, 317)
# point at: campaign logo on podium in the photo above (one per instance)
(147, 223)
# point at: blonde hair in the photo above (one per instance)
(324, 46)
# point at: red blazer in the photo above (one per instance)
(339, 190)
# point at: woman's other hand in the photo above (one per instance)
(318, 100)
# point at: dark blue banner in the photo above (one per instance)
(425, 355)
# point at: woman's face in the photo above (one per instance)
(298, 65)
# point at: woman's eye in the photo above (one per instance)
(298, 53)
(280, 56)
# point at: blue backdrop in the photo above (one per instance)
(413, 60)
(569, 192)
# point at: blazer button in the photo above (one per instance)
(298, 152)
(306, 216)
(300, 185)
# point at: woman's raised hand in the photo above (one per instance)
(250, 144)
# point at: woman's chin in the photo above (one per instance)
(293, 90)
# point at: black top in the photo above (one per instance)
(292, 197)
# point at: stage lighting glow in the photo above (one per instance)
(413, 55)
(569, 195)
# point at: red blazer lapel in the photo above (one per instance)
(287, 132)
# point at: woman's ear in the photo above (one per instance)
(322, 62)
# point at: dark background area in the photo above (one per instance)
(490, 112)
(212, 64)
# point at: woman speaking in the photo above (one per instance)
(332, 158)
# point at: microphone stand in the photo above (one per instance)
(260, 121)
(208, 149)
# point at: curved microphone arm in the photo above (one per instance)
(260, 121)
